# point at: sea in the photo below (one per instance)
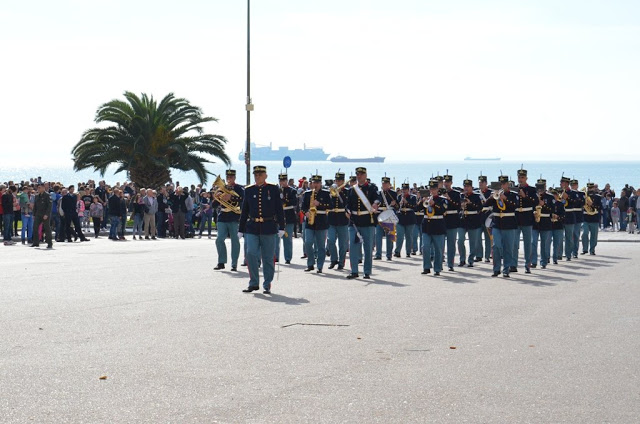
(616, 173)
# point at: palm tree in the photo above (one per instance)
(146, 139)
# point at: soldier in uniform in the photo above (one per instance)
(315, 203)
(570, 200)
(289, 197)
(42, 213)
(557, 224)
(228, 222)
(485, 193)
(451, 219)
(592, 211)
(417, 229)
(362, 203)
(578, 215)
(503, 227)
(407, 204)
(433, 229)
(471, 224)
(338, 224)
(262, 217)
(542, 226)
(524, 216)
(387, 199)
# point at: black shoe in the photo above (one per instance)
(505, 274)
(463, 263)
(513, 269)
(234, 269)
(219, 266)
(376, 258)
(487, 261)
(389, 258)
(437, 273)
(543, 267)
(49, 246)
(303, 257)
(319, 271)
(244, 264)
(250, 289)
(287, 262)
(333, 265)
(360, 261)
(147, 237)
(555, 262)
(575, 256)
(568, 259)
(276, 260)
(426, 271)
(593, 253)
(266, 291)
(470, 266)
(584, 252)
(352, 276)
(495, 274)
(310, 268)
(340, 267)
(153, 237)
(527, 271)
(33, 245)
(408, 255)
(366, 277)
(534, 265)
(478, 259)
(451, 269)
(397, 255)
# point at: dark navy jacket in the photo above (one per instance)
(547, 208)
(406, 212)
(359, 214)
(504, 220)
(452, 217)
(337, 212)
(597, 205)
(289, 197)
(526, 205)
(435, 226)
(472, 213)
(228, 216)
(321, 220)
(262, 212)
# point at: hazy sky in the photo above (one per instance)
(405, 78)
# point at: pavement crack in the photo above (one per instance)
(315, 324)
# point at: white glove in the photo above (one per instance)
(280, 233)
(240, 235)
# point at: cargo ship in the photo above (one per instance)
(375, 159)
(269, 153)
(470, 158)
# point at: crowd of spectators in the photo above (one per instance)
(175, 211)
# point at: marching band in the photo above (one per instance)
(357, 217)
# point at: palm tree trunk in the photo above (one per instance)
(146, 177)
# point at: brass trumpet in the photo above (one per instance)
(221, 189)
(334, 189)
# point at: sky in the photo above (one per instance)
(405, 79)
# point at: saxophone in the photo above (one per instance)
(538, 211)
(312, 209)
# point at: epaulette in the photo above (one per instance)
(250, 185)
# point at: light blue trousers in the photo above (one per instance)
(432, 244)
(260, 248)
(417, 238)
(545, 246)
(576, 238)
(589, 236)
(475, 246)
(503, 249)
(568, 240)
(380, 235)
(404, 235)
(315, 241)
(356, 250)
(557, 236)
(452, 234)
(526, 231)
(339, 233)
(228, 229)
(287, 243)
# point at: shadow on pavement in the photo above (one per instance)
(278, 298)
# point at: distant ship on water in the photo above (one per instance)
(470, 158)
(375, 159)
(268, 153)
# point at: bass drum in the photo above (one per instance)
(388, 216)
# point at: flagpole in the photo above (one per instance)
(249, 105)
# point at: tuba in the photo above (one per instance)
(221, 189)
(312, 209)
(588, 203)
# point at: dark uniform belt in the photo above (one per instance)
(262, 219)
